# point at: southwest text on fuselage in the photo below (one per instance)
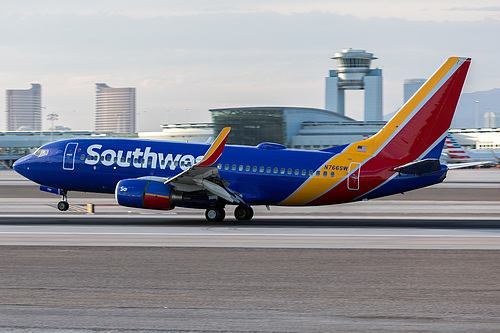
(138, 158)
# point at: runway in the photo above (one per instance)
(266, 233)
(423, 261)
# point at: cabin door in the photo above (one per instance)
(353, 180)
(69, 156)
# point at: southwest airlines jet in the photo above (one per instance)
(402, 156)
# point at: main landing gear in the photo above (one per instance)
(63, 205)
(217, 213)
(243, 213)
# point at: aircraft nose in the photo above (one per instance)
(20, 165)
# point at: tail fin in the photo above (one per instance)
(454, 151)
(419, 128)
(415, 133)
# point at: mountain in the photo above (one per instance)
(465, 116)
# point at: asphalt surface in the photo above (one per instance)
(121, 289)
(415, 262)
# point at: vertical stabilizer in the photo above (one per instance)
(416, 132)
(422, 123)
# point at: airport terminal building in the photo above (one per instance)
(254, 125)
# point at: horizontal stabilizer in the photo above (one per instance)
(420, 167)
(468, 164)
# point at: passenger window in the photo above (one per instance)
(289, 171)
(303, 172)
(325, 173)
(317, 173)
(296, 172)
(226, 167)
(268, 169)
(254, 168)
(233, 167)
(332, 174)
(240, 168)
(219, 166)
(311, 172)
(275, 170)
(247, 168)
(261, 169)
(282, 171)
(82, 157)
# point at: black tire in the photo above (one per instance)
(243, 213)
(63, 206)
(215, 214)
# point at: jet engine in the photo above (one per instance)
(142, 193)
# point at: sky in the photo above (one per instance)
(186, 57)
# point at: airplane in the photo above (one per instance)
(402, 156)
(453, 154)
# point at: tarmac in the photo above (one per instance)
(425, 261)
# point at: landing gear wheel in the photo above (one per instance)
(215, 214)
(243, 213)
(63, 206)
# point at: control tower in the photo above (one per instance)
(354, 73)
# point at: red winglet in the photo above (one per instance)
(216, 149)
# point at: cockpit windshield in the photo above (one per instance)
(41, 152)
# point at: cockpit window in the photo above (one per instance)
(41, 152)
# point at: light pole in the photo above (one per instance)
(52, 117)
(477, 114)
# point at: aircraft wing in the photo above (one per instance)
(204, 174)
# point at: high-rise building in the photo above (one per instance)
(114, 109)
(354, 73)
(410, 87)
(490, 120)
(24, 108)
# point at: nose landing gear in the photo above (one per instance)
(63, 205)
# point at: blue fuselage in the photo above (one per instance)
(266, 175)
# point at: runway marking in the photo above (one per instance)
(242, 234)
(72, 208)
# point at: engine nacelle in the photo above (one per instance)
(141, 193)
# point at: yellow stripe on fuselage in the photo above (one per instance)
(317, 185)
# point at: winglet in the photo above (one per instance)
(216, 149)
